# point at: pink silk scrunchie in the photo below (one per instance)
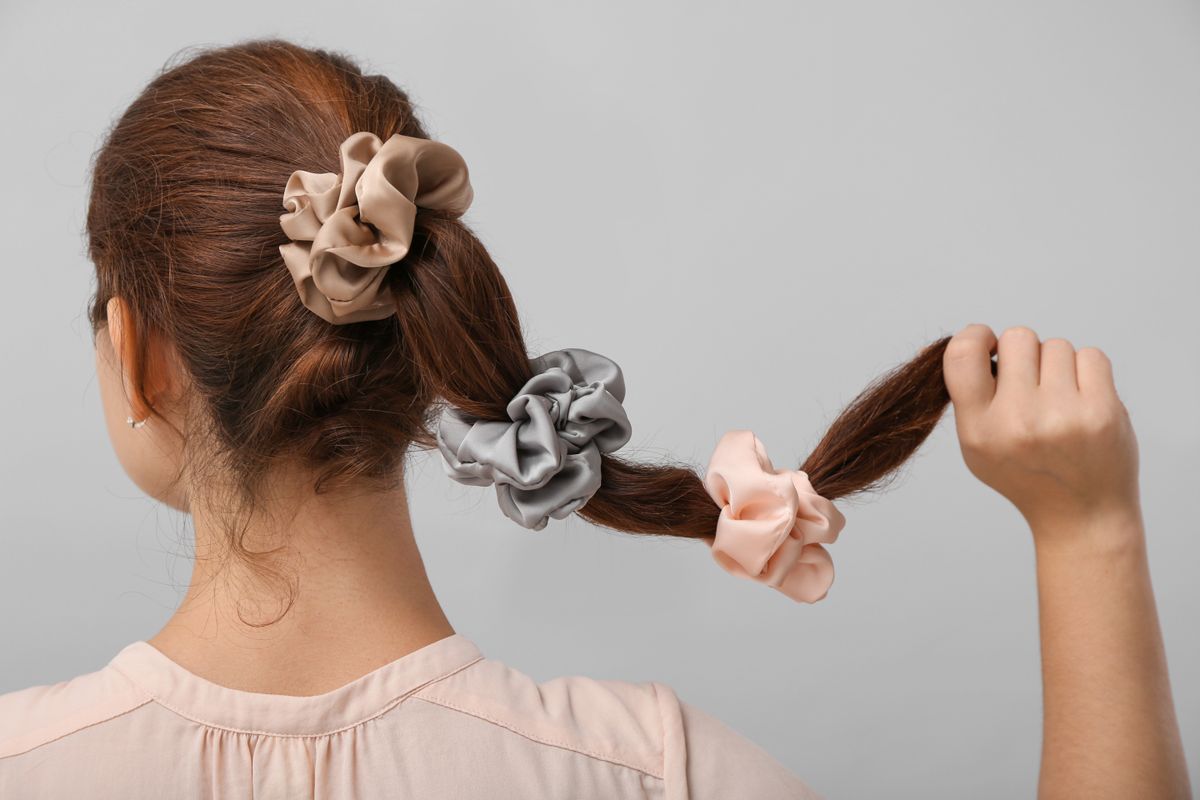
(348, 227)
(772, 522)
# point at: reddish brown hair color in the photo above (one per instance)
(184, 224)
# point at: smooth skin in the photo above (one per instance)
(1050, 433)
(364, 597)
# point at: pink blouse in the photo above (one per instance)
(440, 722)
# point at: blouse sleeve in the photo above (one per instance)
(705, 759)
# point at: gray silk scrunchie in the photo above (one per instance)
(545, 462)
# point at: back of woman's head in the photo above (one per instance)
(184, 224)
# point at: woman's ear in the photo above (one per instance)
(152, 455)
(156, 374)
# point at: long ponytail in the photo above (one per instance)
(183, 223)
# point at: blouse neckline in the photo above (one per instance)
(363, 698)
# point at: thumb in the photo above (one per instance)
(968, 369)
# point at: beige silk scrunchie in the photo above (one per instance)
(347, 228)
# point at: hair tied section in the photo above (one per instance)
(346, 229)
(545, 459)
(773, 524)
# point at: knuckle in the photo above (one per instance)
(972, 438)
(1060, 425)
(975, 333)
(961, 348)
(1058, 342)
(1022, 432)
(1018, 333)
(977, 329)
(1102, 417)
(1093, 354)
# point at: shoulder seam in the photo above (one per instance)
(44, 742)
(441, 701)
(674, 749)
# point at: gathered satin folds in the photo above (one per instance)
(773, 523)
(545, 462)
(347, 228)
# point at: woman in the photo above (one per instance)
(274, 399)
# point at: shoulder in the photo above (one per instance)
(723, 762)
(642, 725)
(37, 715)
(616, 721)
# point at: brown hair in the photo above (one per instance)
(183, 223)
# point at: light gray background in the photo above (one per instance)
(755, 209)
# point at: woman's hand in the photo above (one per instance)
(1048, 431)
(1050, 434)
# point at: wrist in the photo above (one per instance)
(1112, 532)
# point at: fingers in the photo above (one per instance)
(1018, 360)
(1057, 372)
(1023, 363)
(967, 367)
(1094, 373)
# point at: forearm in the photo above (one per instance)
(1109, 722)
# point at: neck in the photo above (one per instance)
(345, 567)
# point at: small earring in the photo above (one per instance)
(135, 423)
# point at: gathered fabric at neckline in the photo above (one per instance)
(364, 698)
